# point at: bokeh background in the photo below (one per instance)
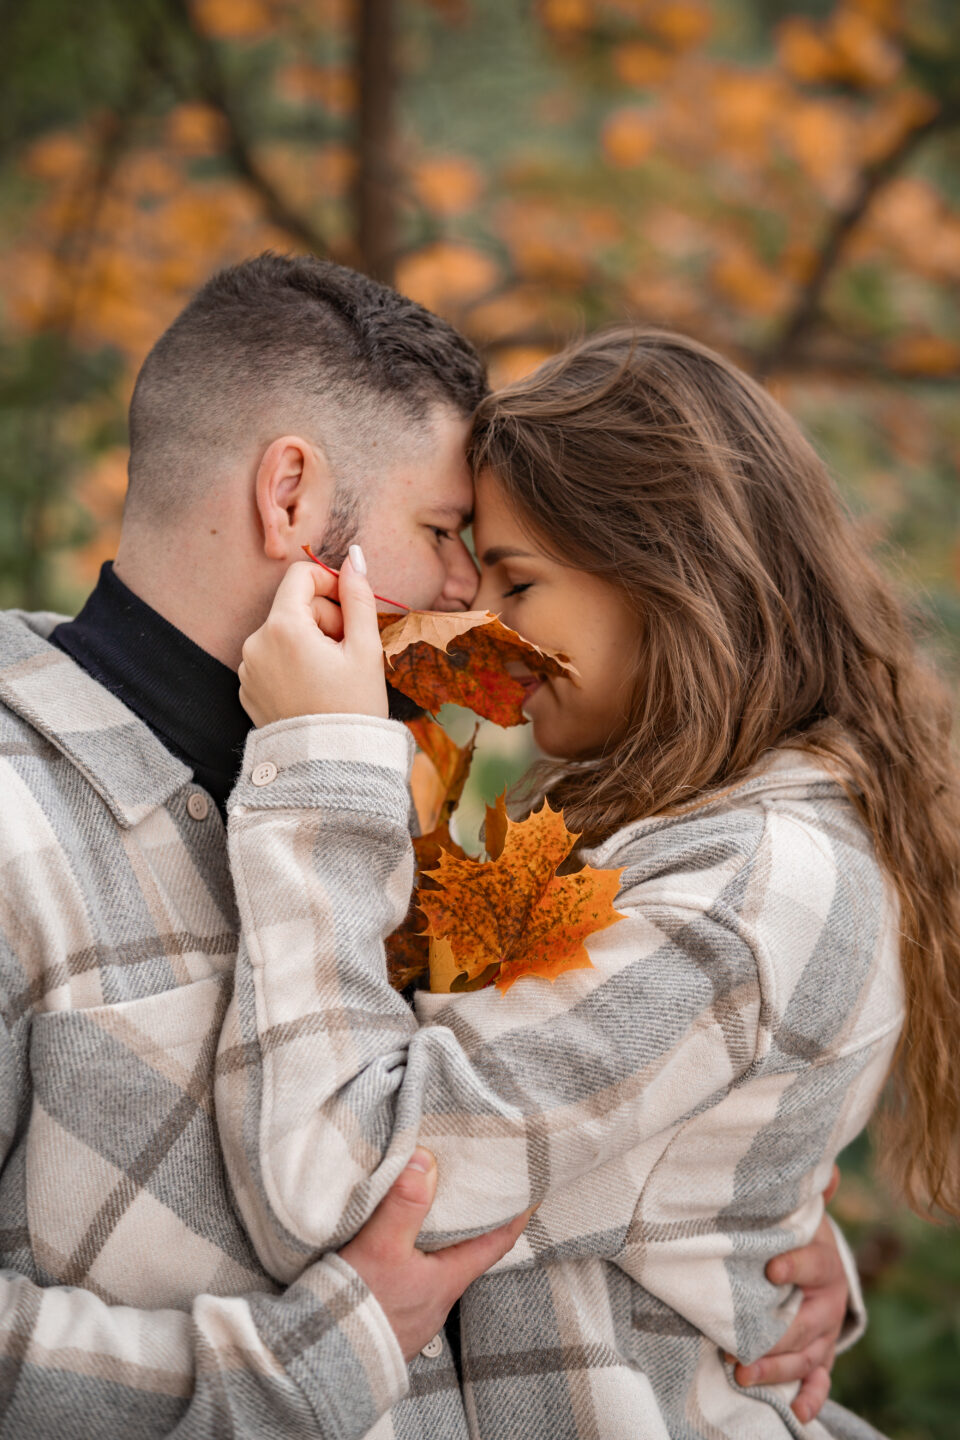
(779, 178)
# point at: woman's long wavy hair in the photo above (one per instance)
(649, 460)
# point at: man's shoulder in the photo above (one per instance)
(26, 632)
(80, 727)
(24, 642)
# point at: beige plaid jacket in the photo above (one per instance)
(675, 1110)
(132, 1304)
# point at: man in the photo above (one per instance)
(292, 402)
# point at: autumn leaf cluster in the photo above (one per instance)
(473, 922)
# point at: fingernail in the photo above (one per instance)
(801, 1411)
(779, 1271)
(357, 559)
(748, 1375)
(420, 1159)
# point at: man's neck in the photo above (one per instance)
(186, 580)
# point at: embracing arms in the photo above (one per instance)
(325, 1358)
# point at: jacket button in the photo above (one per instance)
(433, 1348)
(198, 807)
(263, 774)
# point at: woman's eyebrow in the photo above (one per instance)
(496, 553)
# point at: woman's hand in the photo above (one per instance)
(806, 1351)
(312, 656)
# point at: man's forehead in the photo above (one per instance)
(435, 472)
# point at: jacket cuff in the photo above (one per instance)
(348, 762)
(855, 1320)
(337, 1345)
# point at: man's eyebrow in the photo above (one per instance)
(496, 553)
(455, 514)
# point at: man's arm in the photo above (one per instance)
(320, 1359)
(326, 1358)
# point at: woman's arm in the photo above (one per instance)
(325, 1080)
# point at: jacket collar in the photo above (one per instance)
(111, 747)
(778, 773)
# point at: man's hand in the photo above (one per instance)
(417, 1290)
(806, 1351)
(312, 656)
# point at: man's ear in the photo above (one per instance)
(294, 489)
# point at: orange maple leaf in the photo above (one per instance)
(438, 782)
(409, 947)
(514, 915)
(436, 658)
(436, 797)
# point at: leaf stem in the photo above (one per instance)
(330, 571)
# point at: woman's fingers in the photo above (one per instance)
(784, 1369)
(814, 1266)
(301, 584)
(361, 630)
(329, 617)
(809, 1399)
(318, 652)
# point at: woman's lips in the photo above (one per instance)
(530, 683)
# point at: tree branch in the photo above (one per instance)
(213, 88)
(781, 351)
(376, 185)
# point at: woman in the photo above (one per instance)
(753, 739)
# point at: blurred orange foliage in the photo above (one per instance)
(448, 184)
(652, 178)
(446, 276)
(629, 136)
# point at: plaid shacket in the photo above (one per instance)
(132, 1304)
(675, 1110)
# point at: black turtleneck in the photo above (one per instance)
(188, 699)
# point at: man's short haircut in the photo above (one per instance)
(289, 344)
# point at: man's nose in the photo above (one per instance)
(460, 586)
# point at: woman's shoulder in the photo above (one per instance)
(783, 859)
(788, 801)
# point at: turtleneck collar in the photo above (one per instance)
(186, 696)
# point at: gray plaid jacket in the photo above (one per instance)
(675, 1110)
(132, 1304)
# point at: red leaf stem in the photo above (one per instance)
(397, 604)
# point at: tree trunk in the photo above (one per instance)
(376, 177)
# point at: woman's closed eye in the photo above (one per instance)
(517, 589)
(440, 533)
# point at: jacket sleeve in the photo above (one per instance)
(855, 1320)
(319, 1359)
(326, 1080)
